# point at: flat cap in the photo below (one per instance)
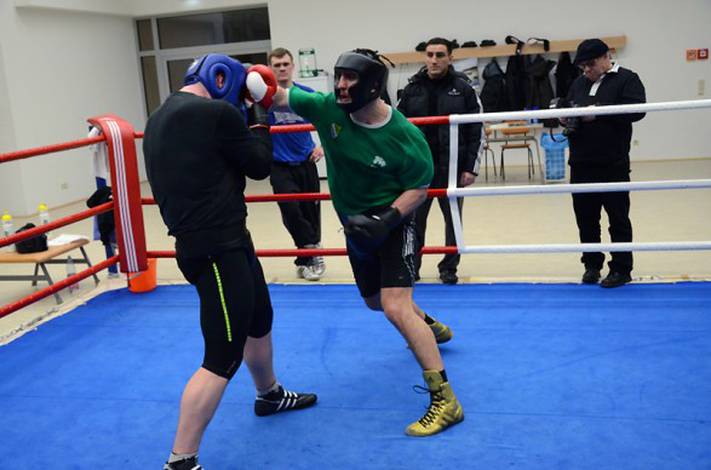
(590, 49)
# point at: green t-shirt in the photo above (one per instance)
(367, 166)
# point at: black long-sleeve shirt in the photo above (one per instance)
(605, 141)
(198, 152)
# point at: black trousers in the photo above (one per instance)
(450, 262)
(301, 218)
(588, 207)
(234, 304)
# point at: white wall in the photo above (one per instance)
(64, 67)
(657, 35)
(111, 7)
(11, 194)
(72, 59)
(163, 7)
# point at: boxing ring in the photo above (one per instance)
(550, 376)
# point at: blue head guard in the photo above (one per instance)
(205, 69)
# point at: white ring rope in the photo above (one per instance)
(587, 247)
(580, 188)
(453, 192)
(582, 111)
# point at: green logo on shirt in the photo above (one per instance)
(378, 162)
(335, 130)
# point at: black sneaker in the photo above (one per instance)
(185, 464)
(591, 276)
(282, 400)
(448, 277)
(615, 279)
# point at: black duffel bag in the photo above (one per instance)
(105, 221)
(31, 245)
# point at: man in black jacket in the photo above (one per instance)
(198, 151)
(599, 153)
(438, 90)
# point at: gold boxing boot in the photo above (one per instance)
(444, 410)
(442, 332)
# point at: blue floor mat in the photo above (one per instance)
(556, 376)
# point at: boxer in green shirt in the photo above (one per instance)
(379, 167)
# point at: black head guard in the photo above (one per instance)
(372, 77)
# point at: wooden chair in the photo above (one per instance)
(488, 151)
(520, 137)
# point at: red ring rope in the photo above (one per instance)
(36, 151)
(59, 285)
(418, 121)
(70, 219)
(33, 152)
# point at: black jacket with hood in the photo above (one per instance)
(451, 94)
(493, 95)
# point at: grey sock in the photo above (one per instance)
(178, 457)
(273, 388)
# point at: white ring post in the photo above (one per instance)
(453, 184)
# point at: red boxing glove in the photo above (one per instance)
(261, 85)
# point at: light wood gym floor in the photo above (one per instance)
(676, 215)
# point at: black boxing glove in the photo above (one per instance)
(373, 229)
(257, 116)
(258, 123)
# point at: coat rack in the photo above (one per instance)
(505, 50)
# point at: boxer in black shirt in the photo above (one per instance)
(199, 150)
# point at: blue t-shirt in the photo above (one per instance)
(293, 146)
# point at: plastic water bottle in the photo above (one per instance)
(307, 63)
(535, 120)
(7, 224)
(7, 228)
(43, 212)
(72, 270)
